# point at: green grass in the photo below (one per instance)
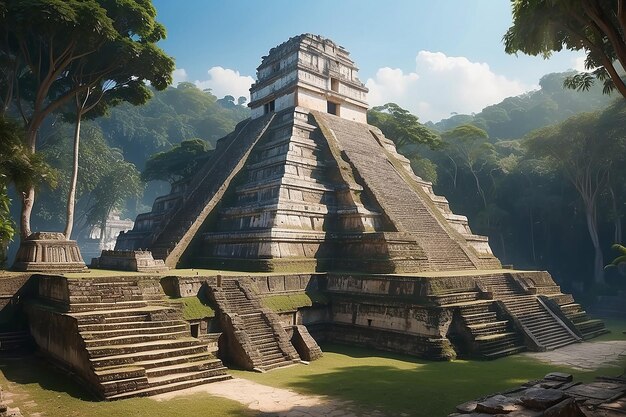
(291, 302)
(37, 387)
(400, 384)
(194, 308)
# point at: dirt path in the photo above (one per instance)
(277, 402)
(585, 356)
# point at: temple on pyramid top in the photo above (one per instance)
(311, 72)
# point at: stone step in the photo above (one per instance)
(120, 373)
(113, 350)
(504, 352)
(121, 312)
(134, 338)
(116, 320)
(201, 365)
(174, 360)
(129, 326)
(147, 356)
(90, 307)
(134, 331)
(590, 325)
(169, 387)
(475, 319)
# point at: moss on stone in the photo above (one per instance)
(194, 308)
(291, 302)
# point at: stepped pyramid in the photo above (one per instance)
(306, 184)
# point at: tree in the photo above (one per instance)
(116, 186)
(598, 27)
(583, 154)
(21, 168)
(402, 127)
(49, 42)
(468, 146)
(178, 163)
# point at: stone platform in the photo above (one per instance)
(130, 333)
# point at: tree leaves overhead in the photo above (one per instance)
(598, 27)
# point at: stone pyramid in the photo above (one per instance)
(306, 184)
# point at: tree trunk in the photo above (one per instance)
(71, 197)
(592, 227)
(28, 195)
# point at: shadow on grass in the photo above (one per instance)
(33, 369)
(402, 384)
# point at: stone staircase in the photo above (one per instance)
(493, 337)
(210, 184)
(14, 342)
(136, 342)
(541, 325)
(407, 210)
(588, 327)
(259, 334)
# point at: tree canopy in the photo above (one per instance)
(541, 27)
(178, 163)
(54, 51)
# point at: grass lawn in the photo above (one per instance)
(400, 384)
(37, 387)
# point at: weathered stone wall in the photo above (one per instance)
(273, 284)
(57, 336)
(53, 288)
(408, 287)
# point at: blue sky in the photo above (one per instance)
(432, 57)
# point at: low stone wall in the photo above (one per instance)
(273, 284)
(408, 287)
(391, 341)
(57, 336)
(52, 288)
(385, 314)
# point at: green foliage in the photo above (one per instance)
(171, 116)
(620, 259)
(515, 117)
(105, 180)
(178, 163)
(542, 27)
(401, 126)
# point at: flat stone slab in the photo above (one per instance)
(585, 356)
(498, 404)
(541, 398)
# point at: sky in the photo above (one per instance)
(434, 58)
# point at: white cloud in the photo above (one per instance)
(441, 85)
(224, 81)
(179, 75)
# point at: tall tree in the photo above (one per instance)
(22, 169)
(584, 156)
(598, 27)
(49, 41)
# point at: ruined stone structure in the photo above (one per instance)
(555, 395)
(306, 184)
(347, 245)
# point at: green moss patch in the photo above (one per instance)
(194, 308)
(290, 302)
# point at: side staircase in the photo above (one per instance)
(492, 336)
(15, 342)
(136, 341)
(261, 341)
(588, 327)
(541, 325)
